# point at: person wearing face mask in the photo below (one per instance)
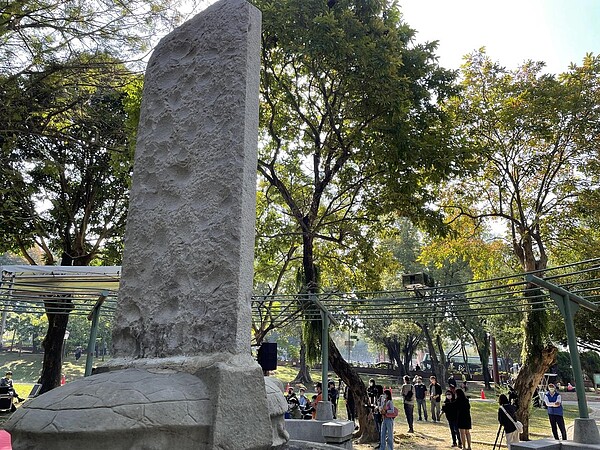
(553, 402)
(449, 409)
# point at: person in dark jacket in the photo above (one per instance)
(333, 395)
(463, 418)
(506, 410)
(420, 391)
(350, 406)
(449, 409)
(6, 381)
(435, 397)
(375, 393)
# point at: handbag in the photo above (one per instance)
(390, 413)
(517, 423)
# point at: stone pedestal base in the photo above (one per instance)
(585, 431)
(201, 403)
(325, 410)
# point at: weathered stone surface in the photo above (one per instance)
(188, 262)
(183, 377)
(135, 415)
(277, 406)
(585, 431)
(325, 411)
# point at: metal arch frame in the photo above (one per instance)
(569, 303)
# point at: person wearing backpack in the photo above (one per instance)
(408, 395)
(388, 412)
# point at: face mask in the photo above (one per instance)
(552, 390)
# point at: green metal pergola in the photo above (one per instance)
(92, 290)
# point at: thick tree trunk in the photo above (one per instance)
(57, 311)
(303, 375)
(483, 350)
(53, 346)
(430, 347)
(367, 431)
(393, 348)
(538, 355)
(527, 381)
(442, 367)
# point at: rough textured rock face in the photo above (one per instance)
(187, 267)
(277, 406)
(120, 410)
(183, 377)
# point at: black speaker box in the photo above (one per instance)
(267, 356)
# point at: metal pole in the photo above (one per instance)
(94, 315)
(325, 352)
(495, 361)
(569, 303)
(570, 310)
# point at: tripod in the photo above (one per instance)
(498, 435)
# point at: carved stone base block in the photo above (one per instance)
(156, 406)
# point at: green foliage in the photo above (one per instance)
(72, 155)
(535, 133)
(563, 367)
(590, 363)
(349, 130)
(35, 33)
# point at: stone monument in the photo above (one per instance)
(182, 376)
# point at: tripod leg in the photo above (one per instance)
(497, 435)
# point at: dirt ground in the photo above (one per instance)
(430, 436)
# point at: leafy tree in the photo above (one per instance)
(67, 177)
(36, 33)
(401, 338)
(563, 367)
(534, 133)
(590, 363)
(350, 130)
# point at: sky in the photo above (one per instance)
(557, 32)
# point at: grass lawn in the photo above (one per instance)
(430, 436)
(27, 367)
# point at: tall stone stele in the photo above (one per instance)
(182, 376)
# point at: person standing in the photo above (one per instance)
(408, 395)
(452, 383)
(463, 418)
(451, 412)
(350, 406)
(435, 397)
(319, 398)
(420, 391)
(377, 416)
(553, 401)
(333, 395)
(387, 426)
(507, 416)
